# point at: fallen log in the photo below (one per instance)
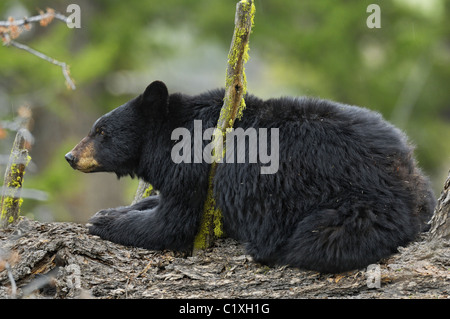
(61, 260)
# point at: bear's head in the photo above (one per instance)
(115, 141)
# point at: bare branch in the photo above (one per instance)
(11, 29)
(63, 65)
(38, 18)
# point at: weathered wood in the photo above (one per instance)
(62, 260)
(18, 161)
(233, 106)
(440, 223)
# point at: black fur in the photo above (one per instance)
(347, 193)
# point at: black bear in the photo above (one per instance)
(346, 192)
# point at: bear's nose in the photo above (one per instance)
(70, 158)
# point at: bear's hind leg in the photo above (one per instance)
(334, 240)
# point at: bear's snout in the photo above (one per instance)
(82, 157)
(70, 159)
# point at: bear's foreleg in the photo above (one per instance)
(148, 224)
(144, 204)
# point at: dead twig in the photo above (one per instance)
(63, 65)
(38, 18)
(11, 29)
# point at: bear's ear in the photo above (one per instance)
(155, 97)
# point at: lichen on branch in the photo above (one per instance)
(233, 107)
(11, 200)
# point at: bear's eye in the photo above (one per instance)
(99, 131)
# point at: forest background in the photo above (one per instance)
(321, 48)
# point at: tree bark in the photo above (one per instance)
(440, 223)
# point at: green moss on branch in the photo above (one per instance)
(233, 107)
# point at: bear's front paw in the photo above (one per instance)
(102, 222)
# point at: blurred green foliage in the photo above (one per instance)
(320, 48)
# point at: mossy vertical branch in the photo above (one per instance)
(144, 190)
(233, 107)
(18, 161)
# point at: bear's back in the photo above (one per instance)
(289, 112)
